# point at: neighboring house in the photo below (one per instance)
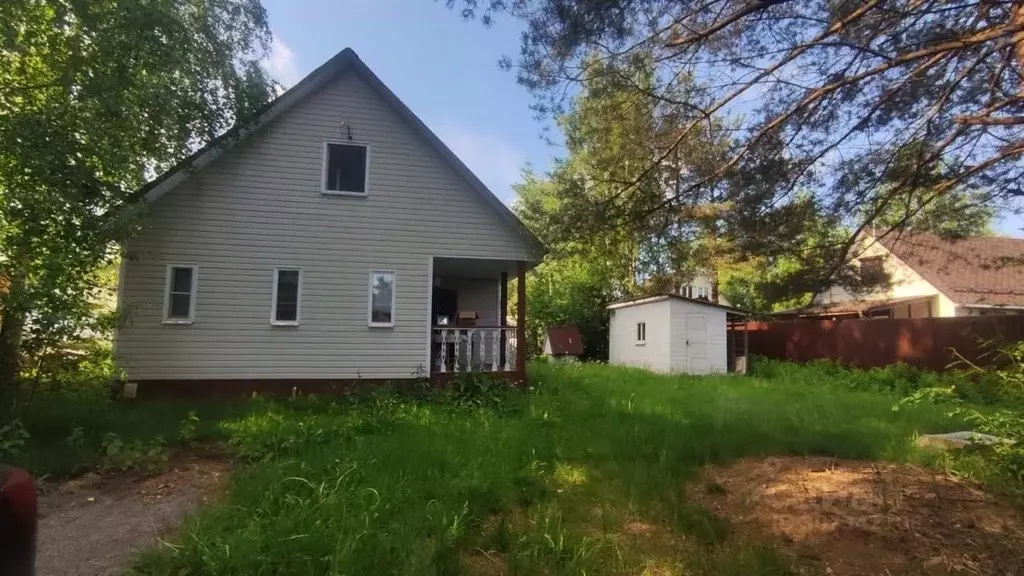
(333, 239)
(670, 333)
(563, 343)
(700, 287)
(930, 277)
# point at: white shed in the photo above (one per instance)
(670, 333)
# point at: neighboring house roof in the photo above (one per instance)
(981, 271)
(850, 307)
(660, 297)
(346, 61)
(565, 340)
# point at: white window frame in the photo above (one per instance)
(167, 319)
(641, 333)
(323, 169)
(369, 299)
(703, 292)
(273, 298)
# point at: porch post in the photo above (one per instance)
(503, 319)
(521, 321)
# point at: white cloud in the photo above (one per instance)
(281, 63)
(494, 161)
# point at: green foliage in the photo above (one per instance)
(13, 436)
(389, 483)
(94, 98)
(118, 455)
(188, 431)
(478, 390)
(1005, 382)
(901, 379)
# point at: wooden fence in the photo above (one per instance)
(923, 342)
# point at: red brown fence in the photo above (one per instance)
(923, 342)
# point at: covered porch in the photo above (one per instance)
(472, 328)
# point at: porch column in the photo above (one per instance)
(503, 319)
(521, 321)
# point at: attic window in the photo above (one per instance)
(345, 168)
(871, 270)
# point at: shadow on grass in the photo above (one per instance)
(585, 473)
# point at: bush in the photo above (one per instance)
(480, 390)
(901, 379)
(120, 456)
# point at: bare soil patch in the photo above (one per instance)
(93, 525)
(844, 517)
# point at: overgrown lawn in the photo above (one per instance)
(583, 474)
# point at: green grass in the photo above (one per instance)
(51, 421)
(545, 483)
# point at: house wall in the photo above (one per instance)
(478, 295)
(259, 206)
(904, 283)
(717, 356)
(623, 349)
(697, 283)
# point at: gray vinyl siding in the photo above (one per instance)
(259, 206)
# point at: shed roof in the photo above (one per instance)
(669, 296)
(565, 340)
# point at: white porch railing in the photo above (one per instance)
(474, 349)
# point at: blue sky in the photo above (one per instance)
(443, 68)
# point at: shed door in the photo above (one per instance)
(697, 344)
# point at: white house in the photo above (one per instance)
(334, 238)
(928, 276)
(700, 287)
(670, 333)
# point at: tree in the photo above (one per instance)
(96, 97)
(861, 104)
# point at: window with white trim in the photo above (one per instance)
(641, 333)
(287, 301)
(180, 293)
(346, 168)
(703, 292)
(382, 298)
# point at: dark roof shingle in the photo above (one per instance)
(565, 340)
(984, 270)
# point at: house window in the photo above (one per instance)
(641, 333)
(703, 292)
(871, 270)
(345, 168)
(180, 294)
(287, 297)
(382, 299)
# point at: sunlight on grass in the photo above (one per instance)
(585, 473)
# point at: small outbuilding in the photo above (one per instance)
(563, 342)
(671, 333)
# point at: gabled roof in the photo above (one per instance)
(565, 340)
(346, 61)
(978, 271)
(669, 296)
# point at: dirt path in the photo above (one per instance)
(855, 518)
(93, 526)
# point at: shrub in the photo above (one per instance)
(480, 390)
(120, 456)
(12, 438)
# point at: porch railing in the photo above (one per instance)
(474, 349)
